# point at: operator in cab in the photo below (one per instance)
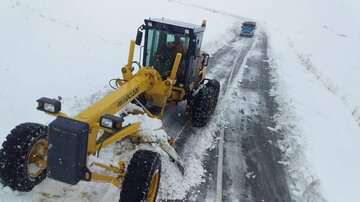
(165, 57)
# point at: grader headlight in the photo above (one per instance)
(111, 122)
(49, 105)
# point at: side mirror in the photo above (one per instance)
(139, 36)
(205, 59)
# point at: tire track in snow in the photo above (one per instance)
(250, 161)
(237, 72)
(265, 177)
(237, 50)
(223, 67)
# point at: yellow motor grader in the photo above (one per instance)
(172, 69)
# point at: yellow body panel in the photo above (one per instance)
(146, 81)
(175, 68)
(113, 102)
(117, 99)
(127, 70)
(127, 131)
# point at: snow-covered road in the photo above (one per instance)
(237, 134)
(250, 170)
(313, 59)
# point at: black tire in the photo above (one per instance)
(14, 156)
(203, 103)
(143, 166)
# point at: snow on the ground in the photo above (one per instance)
(71, 48)
(318, 75)
(317, 122)
(313, 45)
(173, 184)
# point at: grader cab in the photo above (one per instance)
(172, 69)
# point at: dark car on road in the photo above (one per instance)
(248, 29)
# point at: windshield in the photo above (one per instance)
(161, 49)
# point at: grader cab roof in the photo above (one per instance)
(174, 26)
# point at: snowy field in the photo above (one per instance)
(72, 48)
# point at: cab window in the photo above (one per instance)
(161, 49)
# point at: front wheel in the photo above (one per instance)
(203, 102)
(23, 158)
(142, 177)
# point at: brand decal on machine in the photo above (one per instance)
(128, 97)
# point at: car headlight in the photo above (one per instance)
(49, 105)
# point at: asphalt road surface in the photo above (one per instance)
(244, 164)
